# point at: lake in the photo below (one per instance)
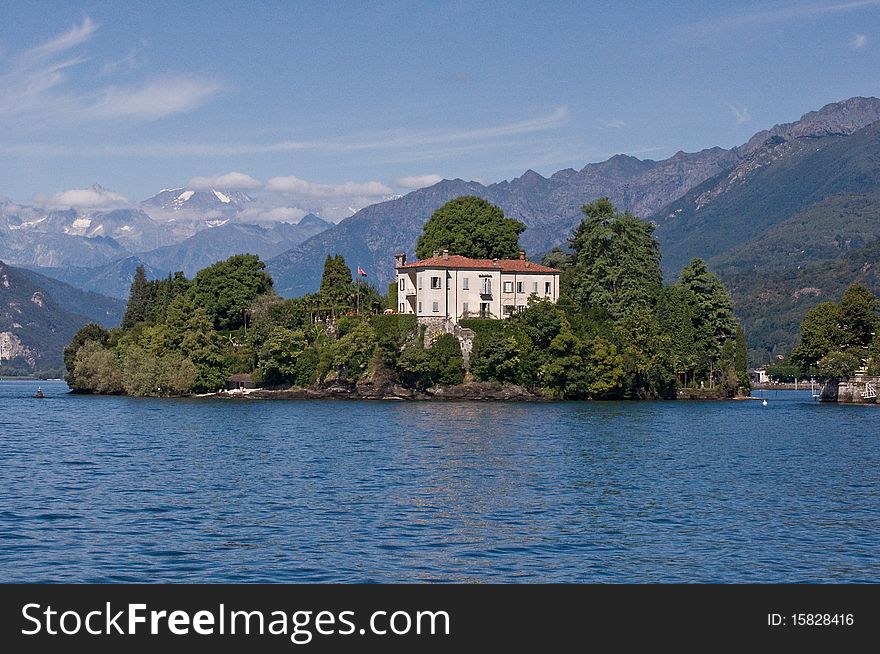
(114, 489)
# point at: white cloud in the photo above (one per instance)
(859, 42)
(95, 197)
(408, 144)
(612, 124)
(37, 93)
(273, 214)
(73, 37)
(302, 188)
(417, 181)
(740, 114)
(151, 100)
(794, 11)
(233, 181)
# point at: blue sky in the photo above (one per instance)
(333, 105)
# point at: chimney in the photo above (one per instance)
(399, 259)
(495, 262)
(445, 254)
(522, 255)
(436, 253)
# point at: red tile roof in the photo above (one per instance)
(457, 261)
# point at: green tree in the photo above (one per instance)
(350, 355)
(644, 348)
(138, 299)
(542, 321)
(471, 227)
(616, 261)
(92, 332)
(820, 334)
(557, 258)
(565, 372)
(337, 287)
(677, 322)
(95, 369)
(162, 293)
(858, 316)
(414, 367)
(279, 355)
(712, 311)
(838, 364)
(228, 288)
(391, 303)
(604, 369)
(741, 363)
(495, 356)
(445, 362)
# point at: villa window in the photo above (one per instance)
(547, 287)
(519, 287)
(484, 310)
(486, 286)
(402, 284)
(466, 284)
(534, 287)
(402, 307)
(420, 307)
(508, 287)
(435, 282)
(508, 309)
(520, 308)
(420, 282)
(436, 307)
(464, 308)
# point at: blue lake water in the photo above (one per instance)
(112, 489)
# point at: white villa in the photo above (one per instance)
(451, 287)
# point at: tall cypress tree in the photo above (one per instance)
(337, 287)
(138, 299)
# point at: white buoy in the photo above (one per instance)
(764, 403)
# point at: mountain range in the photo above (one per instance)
(39, 316)
(787, 219)
(174, 230)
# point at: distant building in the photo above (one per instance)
(452, 287)
(760, 376)
(239, 382)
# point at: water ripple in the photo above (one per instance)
(115, 489)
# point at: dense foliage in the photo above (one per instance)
(616, 332)
(839, 338)
(471, 227)
(785, 271)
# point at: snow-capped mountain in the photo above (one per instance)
(186, 199)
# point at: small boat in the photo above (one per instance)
(39, 393)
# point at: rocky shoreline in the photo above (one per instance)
(471, 391)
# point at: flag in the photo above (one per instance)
(361, 272)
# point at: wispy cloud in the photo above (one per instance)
(302, 188)
(394, 140)
(417, 181)
(740, 114)
(612, 124)
(37, 89)
(782, 14)
(231, 181)
(859, 42)
(75, 36)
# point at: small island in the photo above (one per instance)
(472, 318)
